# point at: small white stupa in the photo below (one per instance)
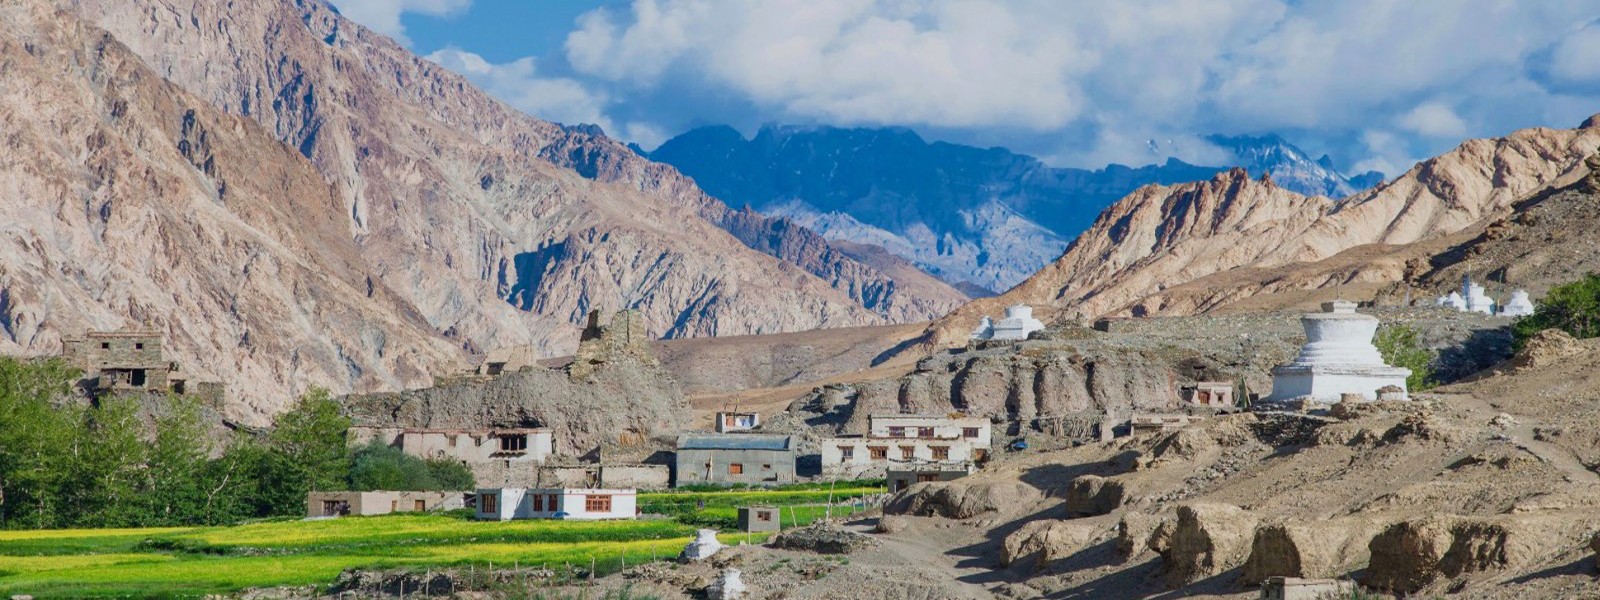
(702, 546)
(1338, 359)
(1477, 300)
(1519, 306)
(1016, 325)
(1453, 300)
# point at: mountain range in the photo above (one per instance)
(983, 219)
(293, 200)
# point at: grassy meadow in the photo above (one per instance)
(194, 561)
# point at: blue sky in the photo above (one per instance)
(1377, 84)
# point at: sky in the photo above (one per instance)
(1376, 84)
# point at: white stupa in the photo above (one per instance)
(1016, 325)
(1476, 300)
(1338, 359)
(1453, 300)
(1519, 306)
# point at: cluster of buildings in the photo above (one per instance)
(1472, 297)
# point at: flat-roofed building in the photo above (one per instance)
(760, 518)
(976, 431)
(570, 504)
(862, 456)
(345, 504)
(496, 456)
(734, 458)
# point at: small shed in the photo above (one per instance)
(344, 504)
(760, 518)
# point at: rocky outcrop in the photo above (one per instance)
(824, 538)
(622, 401)
(1207, 540)
(962, 500)
(1312, 549)
(1091, 495)
(1411, 555)
(1040, 542)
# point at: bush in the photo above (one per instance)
(1401, 346)
(1573, 308)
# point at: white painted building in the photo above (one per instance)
(728, 422)
(1338, 359)
(976, 431)
(855, 454)
(1016, 325)
(574, 504)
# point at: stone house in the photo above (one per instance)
(123, 360)
(574, 504)
(347, 504)
(976, 431)
(863, 456)
(604, 475)
(1214, 394)
(496, 456)
(734, 458)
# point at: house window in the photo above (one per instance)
(766, 467)
(513, 443)
(138, 346)
(735, 469)
(847, 452)
(596, 503)
(907, 452)
(762, 515)
(136, 378)
(538, 503)
(878, 452)
(970, 433)
(940, 452)
(105, 345)
(926, 477)
(451, 439)
(335, 508)
(419, 505)
(550, 503)
(925, 432)
(897, 432)
(486, 503)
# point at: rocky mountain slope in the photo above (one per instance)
(981, 217)
(1244, 232)
(405, 219)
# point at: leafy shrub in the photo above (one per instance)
(1573, 308)
(1401, 346)
(376, 466)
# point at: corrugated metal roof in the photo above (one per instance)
(734, 442)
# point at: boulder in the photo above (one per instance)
(961, 499)
(1309, 549)
(1207, 540)
(890, 524)
(702, 546)
(1406, 555)
(1091, 495)
(1039, 542)
(823, 538)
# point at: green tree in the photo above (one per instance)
(1401, 346)
(176, 486)
(35, 439)
(1573, 308)
(376, 466)
(104, 465)
(309, 441)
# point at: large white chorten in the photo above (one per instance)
(1338, 359)
(1016, 325)
(1519, 306)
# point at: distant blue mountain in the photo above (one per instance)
(984, 217)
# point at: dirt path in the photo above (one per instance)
(1522, 434)
(924, 546)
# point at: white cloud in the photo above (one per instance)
(1121, 71)
(1434, 119)
(383, 16)
(1576, 59)
(518, 83)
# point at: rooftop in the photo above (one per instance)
(734, 442)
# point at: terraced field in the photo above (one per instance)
(188, 562)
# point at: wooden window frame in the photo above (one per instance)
(597, 503)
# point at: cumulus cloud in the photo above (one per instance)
(383, 16)
(1114, 73)
(519, 84)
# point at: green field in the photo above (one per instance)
(183, 562)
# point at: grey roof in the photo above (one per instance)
(734, 442)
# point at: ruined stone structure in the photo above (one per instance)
(503, 360)
(131, 360)
(496, 456)
(601, 343)
(1215, 394)
(1338, 359)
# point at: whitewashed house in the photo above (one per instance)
(573, 504)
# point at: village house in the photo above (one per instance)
(346, 504)
(976, 431)
(734, 458)
(729, 422)
(572, 504)
(907, 439)
(604, 475)
(496, 456)
(900, 478)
